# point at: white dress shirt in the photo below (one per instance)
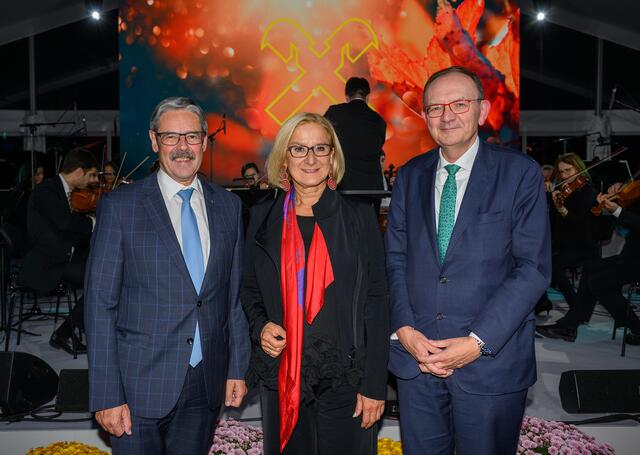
(462, 177)
(169, 189)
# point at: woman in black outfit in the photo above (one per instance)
(320, 333)
(572, 226)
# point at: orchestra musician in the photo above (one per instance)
(602, 279)
(58, 239)
(572, 225)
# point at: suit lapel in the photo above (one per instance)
(61, 192)
(426, 189)
(213, 221)
(473, 195)
(161, 222)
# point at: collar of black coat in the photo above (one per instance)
(326, 207)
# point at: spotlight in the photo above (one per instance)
(93, 8)
(540, 16)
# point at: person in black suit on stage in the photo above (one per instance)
(58, 238)
(361, 132)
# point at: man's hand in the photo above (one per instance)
(615, 188)
(115, 421)
(608, 204)
(235, 391)
(420, 347)
(273, 339)
(370, 409)
(456, 353)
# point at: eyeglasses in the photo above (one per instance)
(301, 151)
(457, 107)
(171, 138)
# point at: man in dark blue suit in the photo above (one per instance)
(167, 338)
(468, 256)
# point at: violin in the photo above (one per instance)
(626, 196)
(567, 189)
(85, 200)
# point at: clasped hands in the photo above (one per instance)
(438, 357)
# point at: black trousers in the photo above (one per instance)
(325, 426)
(602, 281)
(187, 430)
(561, 261)
(73, 275)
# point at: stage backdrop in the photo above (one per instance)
(260, 61)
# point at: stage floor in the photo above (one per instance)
(593, 350)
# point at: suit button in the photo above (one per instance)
(439, 316)
(199, 304)
(189, 340)
(443, 280)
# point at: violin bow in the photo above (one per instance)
(115, 182)
(136, 168)
(616, 153)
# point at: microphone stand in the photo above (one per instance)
(212, 138)
(33, 127)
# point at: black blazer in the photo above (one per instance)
(361, 132)
(630, 219)
(360, 290)
(576, 231)
(52, 232)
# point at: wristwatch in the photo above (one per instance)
(484, 350)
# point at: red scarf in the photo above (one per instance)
(319, 275)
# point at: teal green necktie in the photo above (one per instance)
(447, 215)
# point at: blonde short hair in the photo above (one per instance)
(278, 155)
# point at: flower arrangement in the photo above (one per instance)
(66, 448)
(388, 446)
(233, 438)
(556, 438)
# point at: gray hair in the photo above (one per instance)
(176, 103)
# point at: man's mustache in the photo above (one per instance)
(182, 154)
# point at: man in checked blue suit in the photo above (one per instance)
(468, 256)
(167, 338)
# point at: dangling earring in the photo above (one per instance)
(331, 183)
(284, 179)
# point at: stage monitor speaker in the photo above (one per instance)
(26, 383)
(73, 391)
(600, 391)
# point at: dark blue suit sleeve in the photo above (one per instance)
(101, 293)
(396, 255)
(513, 301)
(239, 345)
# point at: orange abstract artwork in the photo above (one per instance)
(260, 62)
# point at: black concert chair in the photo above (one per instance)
(12, 247)
(634, 289)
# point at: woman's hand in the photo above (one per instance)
(370, 409)
(273, 339)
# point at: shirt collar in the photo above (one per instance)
(65, 185)
(170, 187)
(465, 161)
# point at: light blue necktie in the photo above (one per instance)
(447, 215)
(192, 252)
